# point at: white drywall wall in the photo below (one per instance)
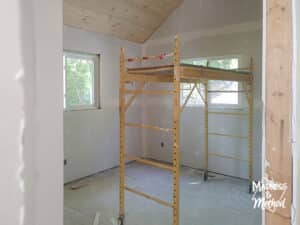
(208, 28)
(48, 20)
(91, 137)
(31, 113)
(11, 114)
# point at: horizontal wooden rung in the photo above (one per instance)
(149, 92)
(157, 200)
(227, 157)
(148, 127)
(229, 113)
(150, 162)
(226, 91)
(229, 135)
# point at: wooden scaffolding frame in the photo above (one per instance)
(176, 73)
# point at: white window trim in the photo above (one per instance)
(96, 82)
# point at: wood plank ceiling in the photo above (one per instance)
(133, 20)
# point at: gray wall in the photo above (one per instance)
(211, 30)
(91, 137)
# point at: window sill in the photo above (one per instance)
(82, 109)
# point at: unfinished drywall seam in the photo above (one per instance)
(18, 78)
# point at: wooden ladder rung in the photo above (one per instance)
(148, 127)
(157, 200)
(229, 135)
(229, 113)
(150, 162)
(227, 157)
(149, 92)
(226, 91)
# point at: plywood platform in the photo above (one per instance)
(189, 74)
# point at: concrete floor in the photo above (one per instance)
(220, 201)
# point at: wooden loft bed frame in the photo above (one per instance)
(177, 73)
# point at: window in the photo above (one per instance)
(81, 81)
(195, 99)
(218, 98)
(222, 98)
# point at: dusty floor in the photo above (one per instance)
(220, 201)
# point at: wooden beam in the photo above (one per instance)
(278, 102)
(149, 78)
(229, 113)
(228, 135)
(151, 163)
(213, 74)
(199, 92)
(157, 200)
(205, 130)
(134, 94)
(176, 134)
(122, 136)
(187, 98)
(148, 127)
(149, 92)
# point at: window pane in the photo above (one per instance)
(195, 99)
(196, 62)
(79, 81)
(228, 64)
(224, 98)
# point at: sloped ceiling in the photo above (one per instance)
(133, 20)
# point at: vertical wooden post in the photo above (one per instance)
(278, 103)
(250, 127)
(176, 136)
(205, 130)
(122, 136)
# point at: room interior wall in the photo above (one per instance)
(31, 135)
(91, 137)
(206, 33)
(12, 114)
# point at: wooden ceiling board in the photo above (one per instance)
(133, 20)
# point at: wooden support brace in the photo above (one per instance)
(229, 135)
(229, 113)
(149, 92)
(151, 163)
(157, 200)
(146, 126)
(199, 92)
(135, 93)
(227, 91)
(187, 98)
(176, 134)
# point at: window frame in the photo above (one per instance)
(224, 105)
(96, 80)
(189, 104)
(219, 105)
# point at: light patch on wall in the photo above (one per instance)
(18, 78)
